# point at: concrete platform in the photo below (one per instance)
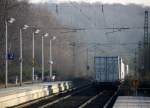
(17, 95)
(132, 102)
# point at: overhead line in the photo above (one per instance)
(81, 11)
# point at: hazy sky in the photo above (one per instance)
(138, 2)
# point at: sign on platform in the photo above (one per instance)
(135, 83)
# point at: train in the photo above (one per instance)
(109, 70)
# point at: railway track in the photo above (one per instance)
(88, 98)
(74, 100)
(85, 97)
(42, 101)
(101, 100)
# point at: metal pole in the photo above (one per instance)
(87, 57)
(42, 58)
(74, 56)
(50, 67)
(33, 58)
(21, 60)
(87, 67)
(6, 55)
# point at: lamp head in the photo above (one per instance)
(37, 31)
(46, 34)
(11, 20)
(54, 38)
(25, 27)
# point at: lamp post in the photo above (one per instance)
(11, 20)
(45, 35)
(33, 50)
(50, 56)
(21, 58)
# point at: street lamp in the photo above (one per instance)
(36, 31)
(21, 59)
(50, 56)
(45, 35)
(11, 20)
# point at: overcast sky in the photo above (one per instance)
(138, 2)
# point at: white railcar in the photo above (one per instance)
(109, 69)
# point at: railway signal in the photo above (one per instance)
(135, 84)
